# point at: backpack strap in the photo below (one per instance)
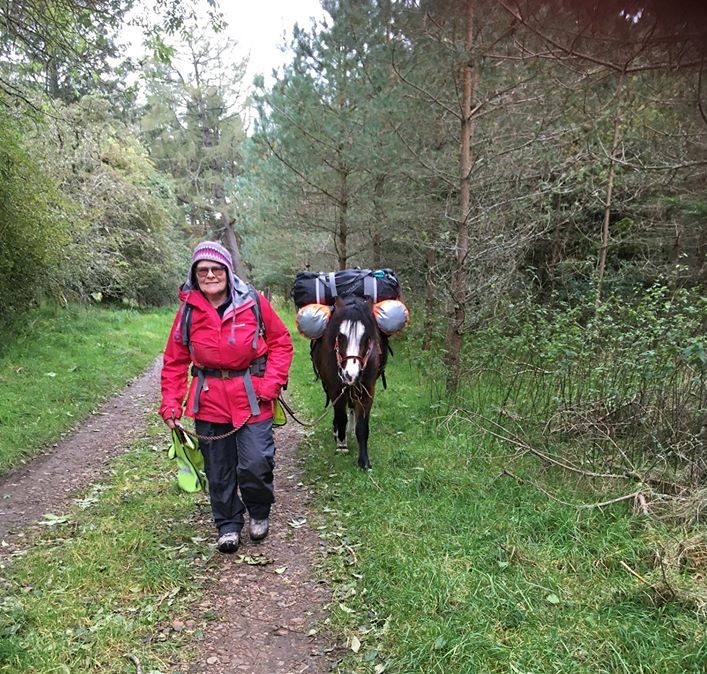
(321, 282)
(185, 323)
(332, 285)
(370, 287)
(253, 293)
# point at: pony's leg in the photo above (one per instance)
(340, 418)
(363, 412)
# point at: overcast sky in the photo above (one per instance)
(258, 27)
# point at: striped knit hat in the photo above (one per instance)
(215, 252)
(210, 250)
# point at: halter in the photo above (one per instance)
(341, 360)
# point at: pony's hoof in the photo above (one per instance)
(342, 449)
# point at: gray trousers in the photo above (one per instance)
(243, 461)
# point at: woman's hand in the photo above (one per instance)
(172, 421)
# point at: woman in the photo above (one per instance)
(240, 354)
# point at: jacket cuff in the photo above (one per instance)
(269, 390)
(169, 412)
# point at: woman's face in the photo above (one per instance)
(212, 279)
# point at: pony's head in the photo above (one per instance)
(353, 337)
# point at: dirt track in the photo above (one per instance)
(267, 615)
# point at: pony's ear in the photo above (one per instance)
(339, 303)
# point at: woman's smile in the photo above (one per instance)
(212, 281)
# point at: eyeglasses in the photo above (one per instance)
(203, 272)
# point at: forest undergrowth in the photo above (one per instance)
(547, 520)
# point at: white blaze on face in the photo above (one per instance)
(353, 331)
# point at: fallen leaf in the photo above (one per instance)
(355, 644)
(280, 569)
(370, 656)
(254, 560)
(51, 520)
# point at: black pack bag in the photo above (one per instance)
(324, 287)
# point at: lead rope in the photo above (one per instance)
(285, 406)
(288, 409)
(211, 438)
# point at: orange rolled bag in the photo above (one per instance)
(312, 319)
(392, 316)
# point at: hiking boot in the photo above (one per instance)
(229, 542)
(258, 529)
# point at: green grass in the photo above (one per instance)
(109, 578)
(63, 365)
(444, 565)
(438, 562)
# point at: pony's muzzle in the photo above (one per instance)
(350, 374)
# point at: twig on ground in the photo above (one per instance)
(661, 562)
(640, 504)
(582, 506)
(634, 573)
(135, 661)
(375, 484)
(515, 440)
(510, 437)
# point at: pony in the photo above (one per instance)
(348, 358)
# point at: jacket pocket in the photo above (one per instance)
(257, 385)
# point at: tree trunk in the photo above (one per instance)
(430, 299)
(233, 247)
(52, 79)
(342, 228)
(459, 276)
(605, 232)
(379, 216)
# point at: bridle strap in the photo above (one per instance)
(341, 360)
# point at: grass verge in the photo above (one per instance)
(442, 563)
(108, 586)
(64, 364)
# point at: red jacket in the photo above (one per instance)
(224, 400)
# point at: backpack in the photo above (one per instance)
(324, 287)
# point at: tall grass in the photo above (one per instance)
(62, 363)
(624, 387)
(444, 563)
